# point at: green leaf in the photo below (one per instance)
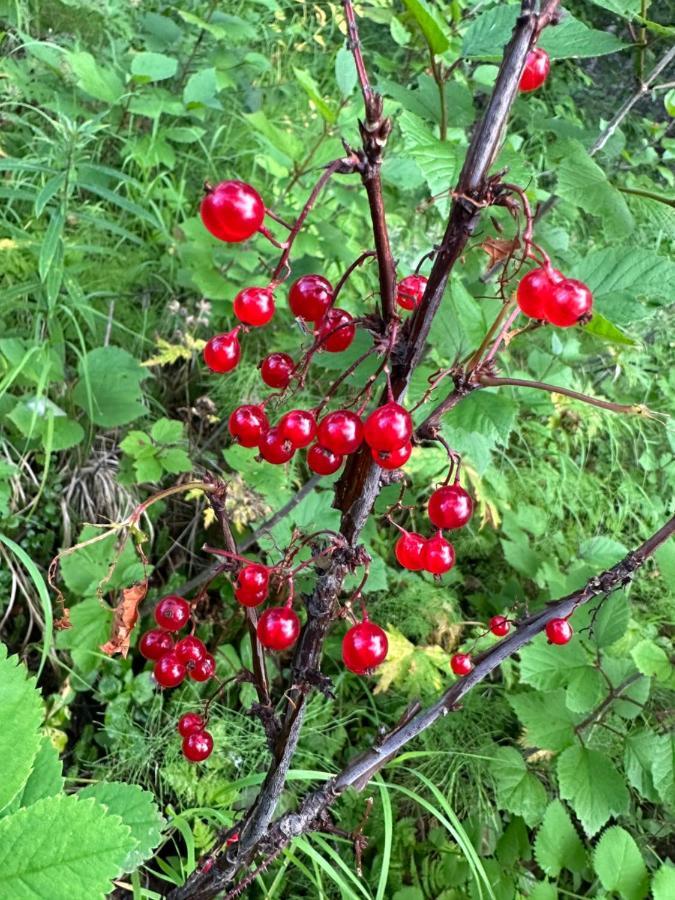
(518, 791)
(97, 81)
(619, 864)
(431, 23)
(663, 766)
(20, 718)
(135, 443)
(591, 784)
(345, 71)
(585, 689)
(167, 431)
(201, 89)
(557, 845)
(137, 809)
(663, 882)
(110, 401)
(652, 660)
(638, 759)
(50, 244)
(153, 67)
(62, 848)
(545, 666)
(611, 620)
(148, 468)
(310, 87)
(175, 460)
(601, 327)
(46, 777)
(90, 628)
(548, 722)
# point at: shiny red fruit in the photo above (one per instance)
(278, 628)
(534, 290)
(198, 746)
(189, 723)
(169, 671)
(335, 331)
(322, 461)
(298, 426)
(223, 352)
(172, 613)
(570, 301)
(393, 459)
(410, 290)
(439, 555)
(232, 211)
(388, 427)
(500, 626)
(409, 551)
(204, 669)
(190, 650)
(341, 431)
(309, 297)
(254, 306)
(537, 66)
(461, 664)
(247, 424)
(274, 448)
(155, 643)
(450, 506)
(252, 585)
(276, 370)
(559, 631)
(364, 647)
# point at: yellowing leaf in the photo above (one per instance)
(172, 353)
(418, 669)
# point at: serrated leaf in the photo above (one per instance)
(90, 626)
(46, 777)
(175, 460)
(84, 568)
(557, 845)
(518, 790)
(172, 353)
(585, 689)
(548, 723)
(545, 666)
(110, 401)
(619, 864)
(638, 759)
(663, 882)
(420, 670)
(593, 787)
(20, 718)
(663, 769)
(611, 621)
(167, 431)
(62, 848)
(431, 24)
(652, 660)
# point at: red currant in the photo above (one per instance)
(189, 723)
(534, 290)
(570, 301)
(409, 551)
(252, 585)
(461, 664)
(197, 746)
(172, 613)
(274, 448)
(439, 555)
(500, 626)
(223, 352)
(335, 331)
(450, 506)
(276, 370)
(155, 643)
(536, 69)
(322, 461)
(341, 431)
(559, 631)
(410, 290)
(190, 650)
(248, 424)
(298, 426)
(169, 671)
(254, 306)
(364, 647)
(388, 427)
(232, 211)
(204, 669)
(393, 459)
(278, 628)
(309, 297)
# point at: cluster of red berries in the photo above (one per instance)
(545, 293)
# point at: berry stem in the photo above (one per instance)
(359, 261)
(502, 335)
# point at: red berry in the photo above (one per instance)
(450, 506)
(190, 650)
(309, 297)
(298, 426)
(155, 643)
(559, 631)
(393, 459)
(336, 324)
(409, 551)
(248, 424)
(461, 664)
(388, 427)
(232, 211)
(276, 370)
(410, 290)
(198, 746)
(536, 69)
(189, 723)
(569, 301)
(252, 585)
(341, 431)
(534, 290)
(322, 461)
(439, 555)
(169, 671)
(172, 613)
(204, 669)
(500, 626)
(274, 448)
(223, 352)
(364, 647)
(278, 628)
(254, 306)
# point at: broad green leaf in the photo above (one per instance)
(167, 431)
(101, 83)
(545, 666)
(84, 568)
(431, 23)
(663, 766)
(585, 689)
(611, 621)
(593, 787)
(652, 660)
(544, 890)
(663, 882)
(619, 864)
(345, 71)
(46, 777)
(557, 845)
(629, 704)
(638, 759)
(62, 848)
(110, 401)
(90, 623)
(153, 67)
(518, 790)
(20, 718)
(201, 89)
(548, 723)
(601, 327)
(310, 87)
(175, 460)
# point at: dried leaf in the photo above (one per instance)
(499, 249)
(125, 618)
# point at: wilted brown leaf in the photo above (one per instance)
(125, 618)
(499, 249)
